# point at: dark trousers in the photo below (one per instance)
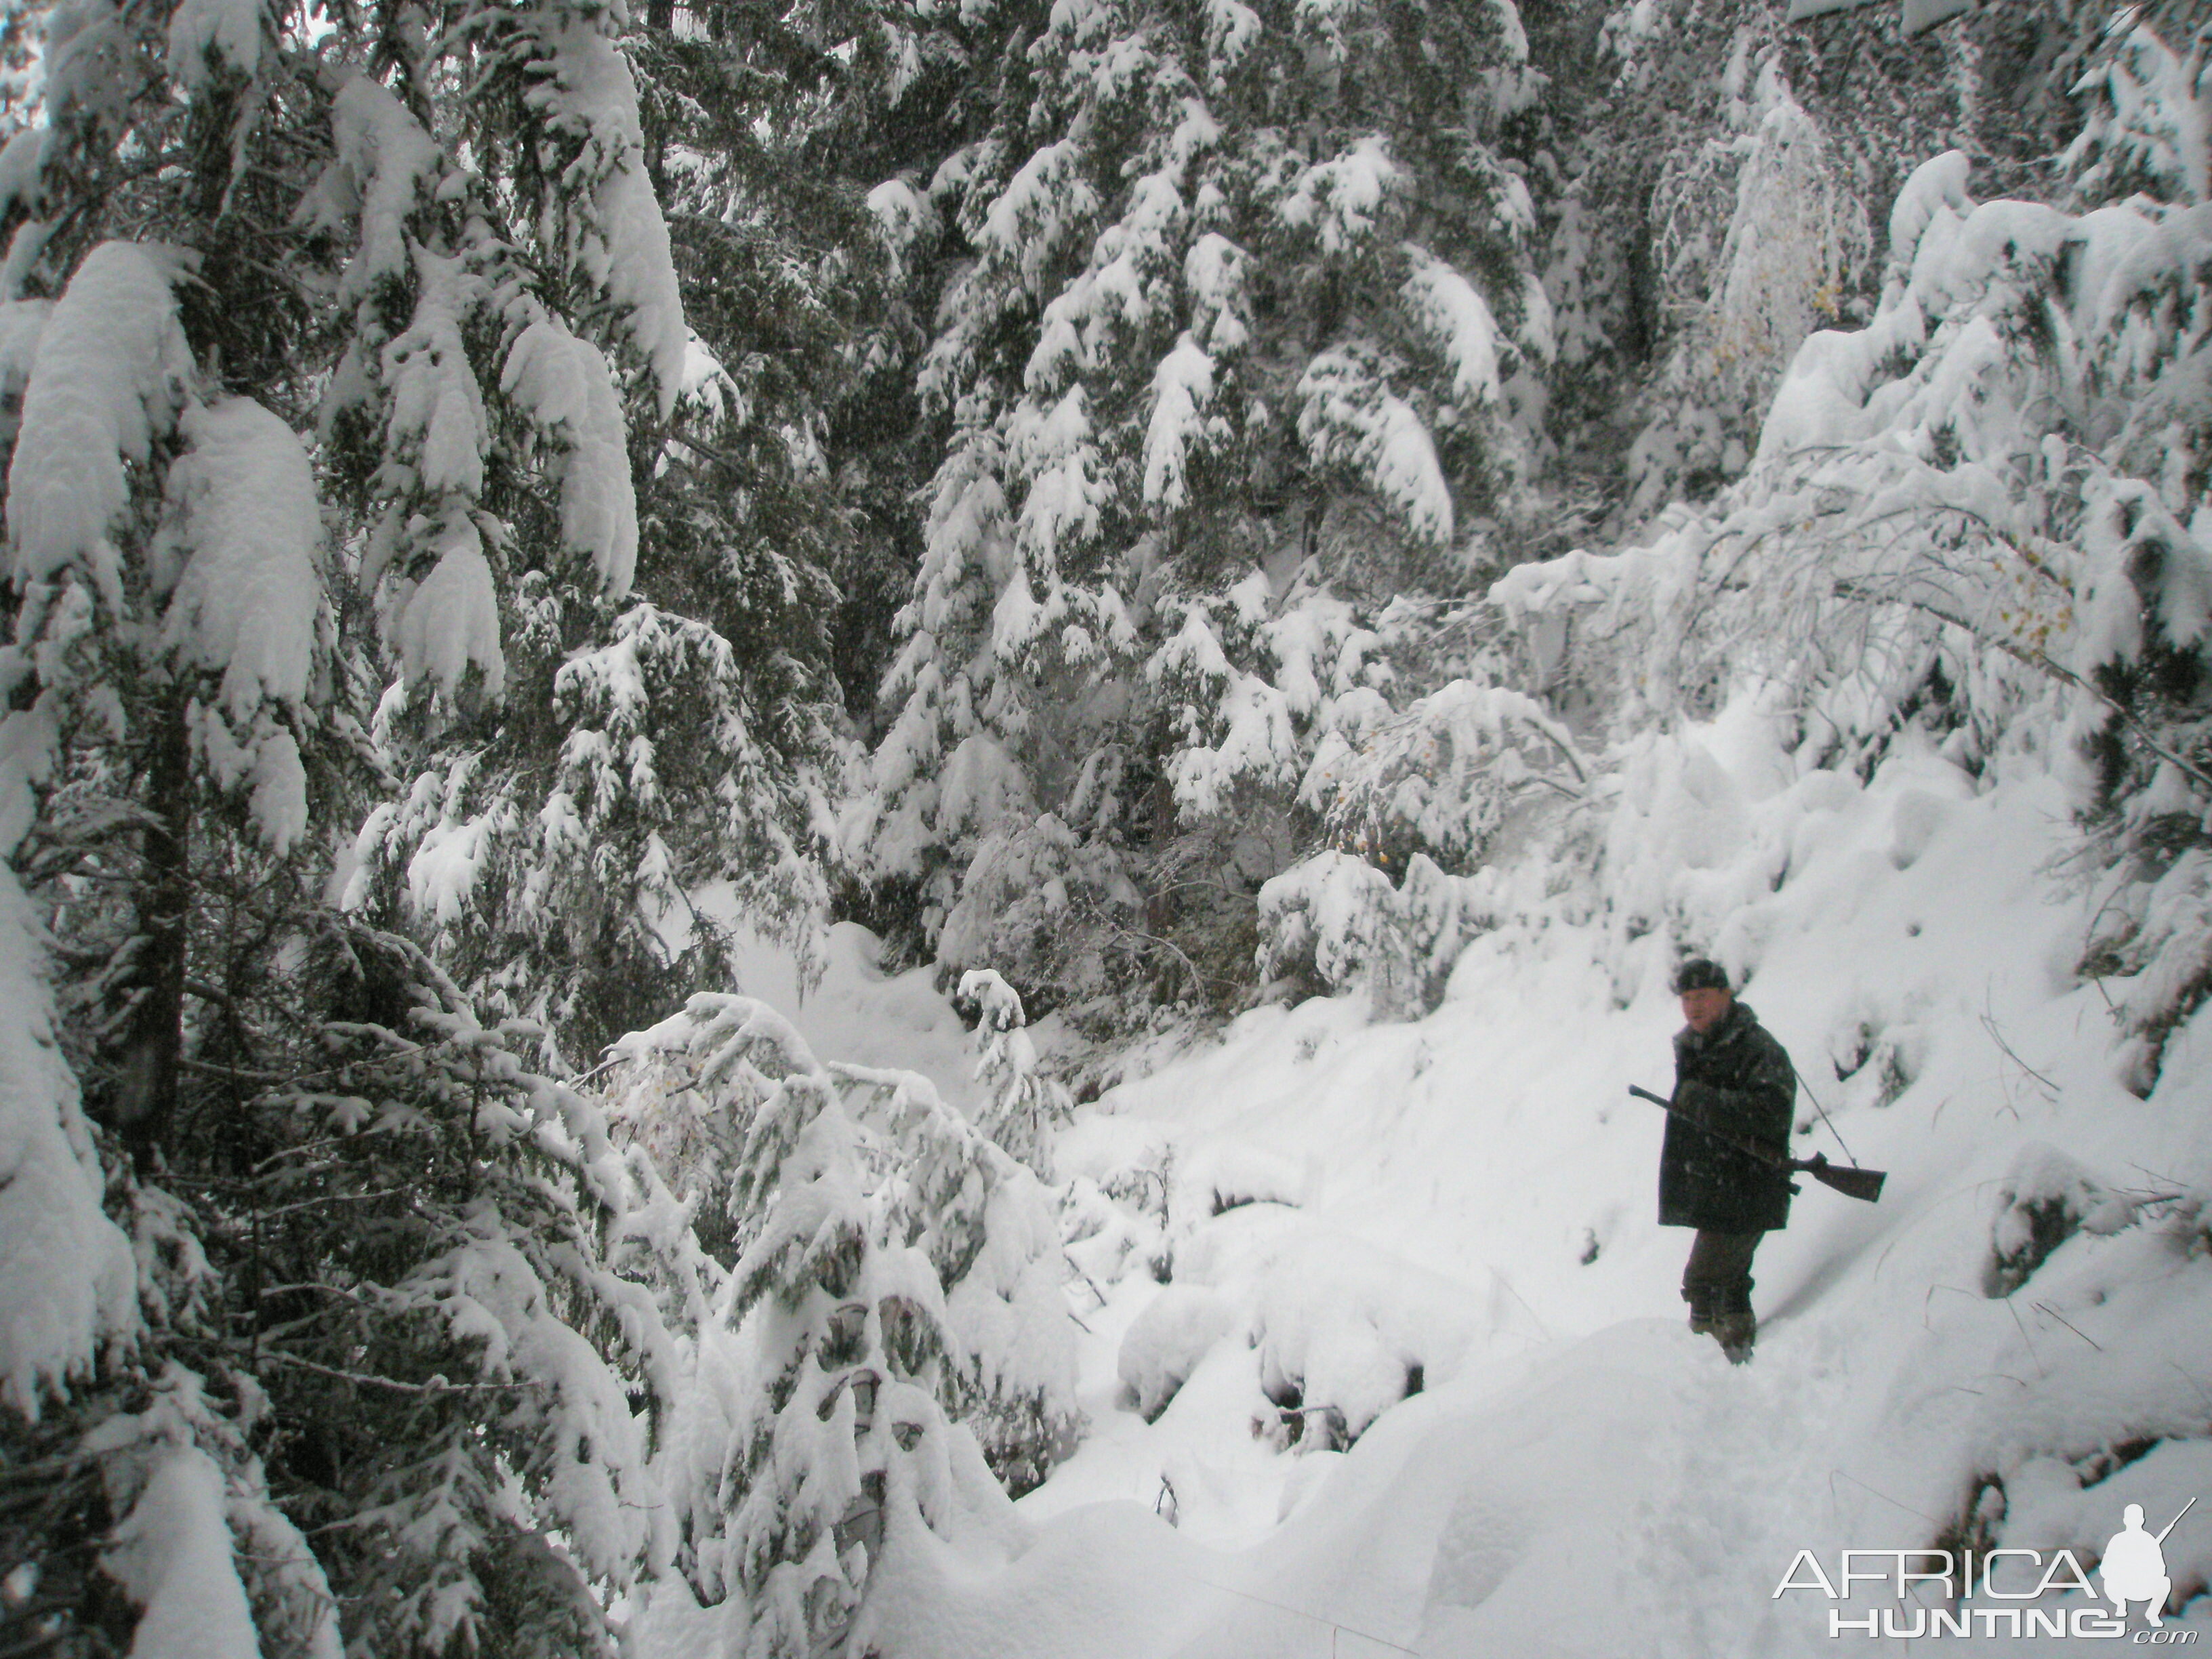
(1716, 1280)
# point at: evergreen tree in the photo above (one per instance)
(1023, 1108)
(366, 1238)
(765, 145)
(547, 809)
(1411, 803)
(1242, 348)
(1712, 181)
(888, 1271)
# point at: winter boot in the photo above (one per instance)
(1701, 1315)
(1736, 1331)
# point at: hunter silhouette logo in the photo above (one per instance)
(2134, 1567)
(1938, 1593)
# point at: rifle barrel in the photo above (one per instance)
(1780, 1160)
(2175, 1521)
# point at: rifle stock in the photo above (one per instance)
(1851, 1181)
(1848, 1179)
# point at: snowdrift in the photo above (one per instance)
(1435, 1240)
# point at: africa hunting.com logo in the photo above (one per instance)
(2132, 1568)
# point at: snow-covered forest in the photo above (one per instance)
(843, 829)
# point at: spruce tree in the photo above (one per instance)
(889, 1296)
(1977, 520)
(1022, 1107)
(1242, 348)
(273, 347)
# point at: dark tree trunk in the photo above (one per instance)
(153, 1040)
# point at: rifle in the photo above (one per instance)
(2175, 1521)
(1851, 1181)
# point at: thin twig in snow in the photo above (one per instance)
(2045, 1306)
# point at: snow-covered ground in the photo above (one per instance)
(1318, 1211)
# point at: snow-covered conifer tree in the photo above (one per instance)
(550, 809)
(366, 1240)
(457, 1367)
(1411, 801)
(1711, 179)
(1243, 346)
(1023, 1107)
(817, 1419)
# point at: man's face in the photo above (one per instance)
(1706, 1008)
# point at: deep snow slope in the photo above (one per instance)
(1300, 1222)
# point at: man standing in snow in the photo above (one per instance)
(1731, 1077)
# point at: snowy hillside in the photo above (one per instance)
(1467, 1200)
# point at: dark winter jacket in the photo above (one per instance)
(1737, 1079)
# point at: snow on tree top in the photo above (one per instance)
(1230, 29)
(566, 385)
(1181, 389)
(383, 157)
(1065, 496)
(172, 1555)
(1351, 418)
(621, 243)
(1213, 274)
(1041, 205)
(248, 524)
(1935, 185)
(1338, 200)
(999, 1003)
(449, 622)
(1448, 307)
(206, 33)
(2159, 124)
(22, 161)
(439, 431)
(903, 213)
(67, 1279)
(111, 369)
(22, 323)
